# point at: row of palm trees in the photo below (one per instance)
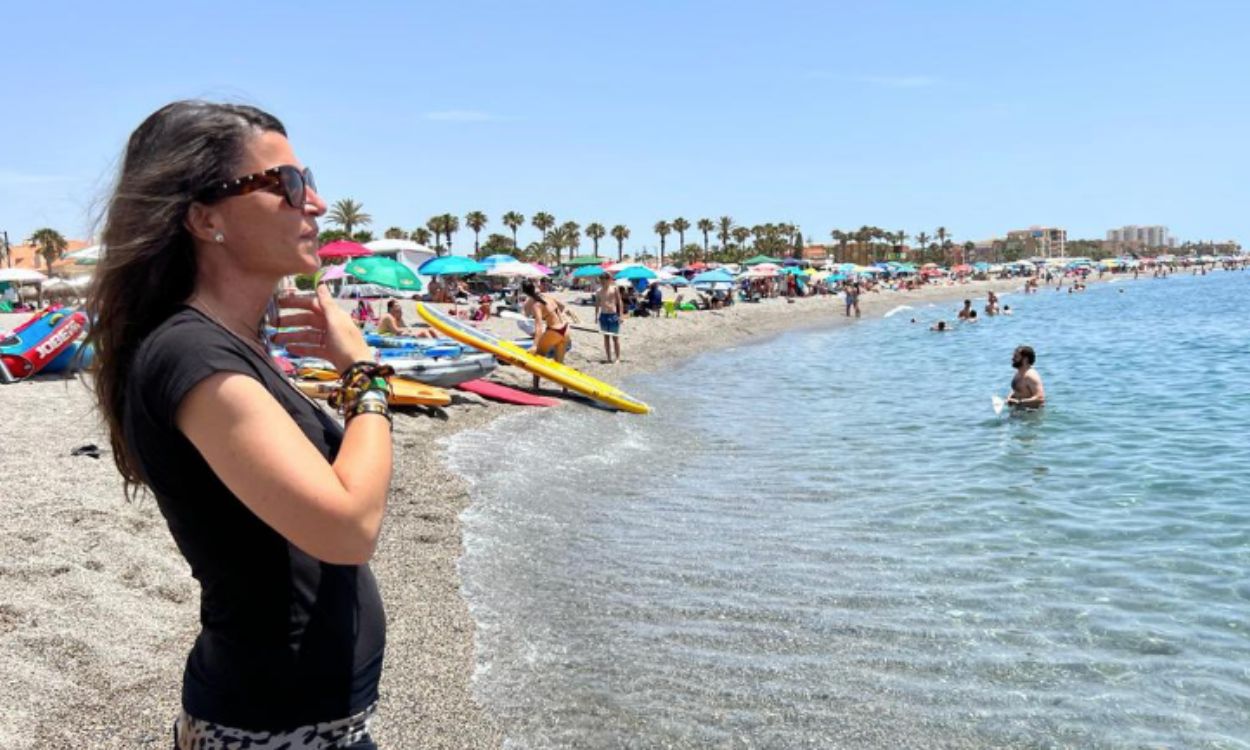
(775, 239)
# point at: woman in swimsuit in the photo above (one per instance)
(551, 326)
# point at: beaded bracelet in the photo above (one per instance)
(358, 379)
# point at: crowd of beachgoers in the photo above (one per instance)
(97, 609)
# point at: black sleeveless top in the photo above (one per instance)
(286, 640)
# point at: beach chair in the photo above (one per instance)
(670, 308)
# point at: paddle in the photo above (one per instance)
(509, 315)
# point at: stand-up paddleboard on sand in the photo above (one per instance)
(510, 353)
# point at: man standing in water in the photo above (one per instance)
(1026, 386)
(610, 307)
(966, 312)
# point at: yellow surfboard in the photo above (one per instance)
(510, 353)
(403, 392)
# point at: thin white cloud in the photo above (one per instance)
(15, 178)
(461, 115)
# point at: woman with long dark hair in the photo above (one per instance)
(274, 505)
(551, 323)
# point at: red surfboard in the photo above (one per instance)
(497, 392)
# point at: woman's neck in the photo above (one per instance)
(238, 304)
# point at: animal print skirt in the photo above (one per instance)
(191, 733)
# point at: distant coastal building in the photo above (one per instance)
(1046, 242)
(27, 256)
(1141, 237)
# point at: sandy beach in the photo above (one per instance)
(98, 610)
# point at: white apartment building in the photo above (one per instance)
(1150, 236)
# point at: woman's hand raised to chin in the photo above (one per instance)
(329, 331)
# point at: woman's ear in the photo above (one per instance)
(204, 223)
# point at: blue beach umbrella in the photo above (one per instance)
(491, 261)
(587, 272)
(450, 265)
(635, 273)
(715, 276)
(676, 281)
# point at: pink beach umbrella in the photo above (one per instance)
(330, 273)
(546, 271)
(343, 249)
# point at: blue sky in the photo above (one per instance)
(980, 116)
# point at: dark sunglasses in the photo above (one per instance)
(292, 182)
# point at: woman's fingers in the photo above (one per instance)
(305, 336)
(293, 302)
(300, 319)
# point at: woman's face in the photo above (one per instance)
(264, 234)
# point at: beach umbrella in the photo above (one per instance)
(394, 246)
(384, 272)
(635, 273)
(515, 269)
(962, 268)
(21, 275)
(588, 272)
(676, 281)
(716, 275)
(343, 249)
(330, 273)
(490, 261)
(761, 259)
(450, 265)
(791, 271)
(981, 266)
(545, 271)
(698, 265)
(582, 260)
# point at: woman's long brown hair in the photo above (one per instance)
(148, 266)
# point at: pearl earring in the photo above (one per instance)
(218, 237)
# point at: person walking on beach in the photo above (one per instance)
(609, 306)
(851, 292)
(1026, 387)
(274, 505)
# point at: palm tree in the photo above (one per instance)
(475, 220)
(51, 245)
(725, 225)
(620, 233)
(662, 228)
(451, 225)
(513, 220)
(595, 231)
(706, 226)
(922, 242)
(571, 237)
(741, 235)
(969, 248)
(349, 214)
(680, 226)
(941, 235)
(543, 221)
(435, 225)
(420, 235)
(395, 233)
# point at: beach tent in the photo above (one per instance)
(582, 260)
(387, 246)
(88, 256)
(761, 259)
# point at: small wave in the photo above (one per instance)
(897, 310)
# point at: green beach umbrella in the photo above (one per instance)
(384, 272)
(757, 260)
(582, 260)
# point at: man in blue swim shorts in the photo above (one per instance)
(609, 306)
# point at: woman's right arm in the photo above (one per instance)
(330, 511)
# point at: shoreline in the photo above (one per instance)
(97, 610)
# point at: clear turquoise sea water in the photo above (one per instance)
(830, 540)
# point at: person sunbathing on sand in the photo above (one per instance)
(392, 323)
